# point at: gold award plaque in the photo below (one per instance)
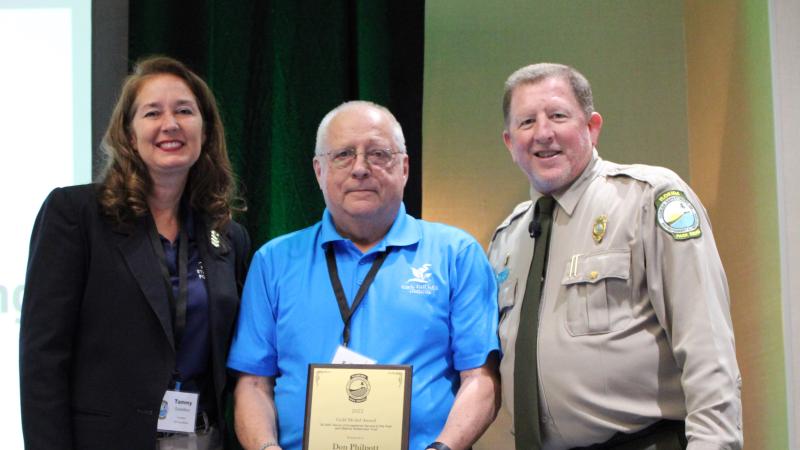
(357, 407)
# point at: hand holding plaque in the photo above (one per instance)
(357, 407)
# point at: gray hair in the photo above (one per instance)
(535, 73)
(322, 131)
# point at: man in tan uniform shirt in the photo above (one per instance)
(634, 322)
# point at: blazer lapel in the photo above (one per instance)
(143, 264)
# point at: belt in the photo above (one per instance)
(668, 434)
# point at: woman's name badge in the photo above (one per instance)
(346, 356)
(178, 412)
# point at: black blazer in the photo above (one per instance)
(96, 342)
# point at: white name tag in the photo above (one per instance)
(346, 356)
(178, 412)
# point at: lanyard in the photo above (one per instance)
(333, 272)
(177, 306)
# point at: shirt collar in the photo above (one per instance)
(187, 223)
(568, 199)
(403, 232)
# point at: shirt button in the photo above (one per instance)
(593, 275)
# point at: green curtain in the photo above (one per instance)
(276, 67)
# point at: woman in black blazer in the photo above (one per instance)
(133, 283)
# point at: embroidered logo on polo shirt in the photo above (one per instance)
(420, 282)
(421, 274)
(677, 216)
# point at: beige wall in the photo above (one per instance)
(633, 55)
(732, 168)
(785, 53)
(681, 84)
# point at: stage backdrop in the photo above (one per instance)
(276, 68)
(682, 84)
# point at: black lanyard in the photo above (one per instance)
(333, 272)
(177, 307)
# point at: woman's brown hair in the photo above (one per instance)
(126, 182)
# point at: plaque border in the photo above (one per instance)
(407, 369)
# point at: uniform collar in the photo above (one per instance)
(569, 198)
(403, 232)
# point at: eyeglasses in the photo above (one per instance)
(379, 157)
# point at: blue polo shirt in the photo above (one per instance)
(432, 305)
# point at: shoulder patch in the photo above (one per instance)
(677, 216)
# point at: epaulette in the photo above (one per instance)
(653, 175)
(518, 212)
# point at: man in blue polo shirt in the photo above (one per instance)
(430, 304)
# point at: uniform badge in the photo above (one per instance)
(214, 238)
(599, 228)
(677, 216)
(502, 276)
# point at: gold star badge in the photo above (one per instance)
(599, 228)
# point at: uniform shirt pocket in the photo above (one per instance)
(596, 289)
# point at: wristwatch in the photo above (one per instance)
(438, 446)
